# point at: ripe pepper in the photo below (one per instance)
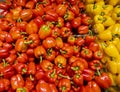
(95, 64)
(112, 67)
(3, 53)
(98, 19)
(116, 13)
(31, 68)
(97, 9)
(88, 74)
(108, 21)
(8, 72)
(98, 28)
(117, 46)
(60, 61)
(78, 79)
(107, 9)
(20, 68)
(103, 80)
(109, 49)
(51, 76)
(42, 86)
(5, 84)
(46, 65)
(113, 2)
(116, 29)
(105, 35)
(64, 85)
(86, 53)
(92, 86)
(77, 66)
(17, 81)
(98, 55)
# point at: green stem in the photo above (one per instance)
(28, 42)
(41, 59)
(53, 73)
(63, 88)
(76, 68)
(63, 76)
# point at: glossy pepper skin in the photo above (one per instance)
(17, 81)
(103, 77)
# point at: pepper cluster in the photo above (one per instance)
(48, 46)
(106, 16)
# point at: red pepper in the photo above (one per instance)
(3, 53)
(8, 72)
(86, 53)
(51, 76)
(4, 5)
(53, 88)
(17, 81)
(78, 79)
(21, 68)
(29, 85)
(89, 39)
(92, 86)
(67, 51)
(103, 80)
(40, 52)
(4, 85)
(40, 74)
(65, 32)
(46, 65)
(94, 46)
(11, 58)
(50, 16)
(64, 85)
(83, 29)
(98, 55)
(50, 54)
(42, 86)
(39, 21)
(32, 40)
(88, 74)
(7, 46)
(31, 68)
(22, 58)
(95, 65)
(79, 41)
(77, 66)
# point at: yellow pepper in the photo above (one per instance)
(89, 9)
(107, 9)
(116, 29)
(116, 13)
(115, 41)
(100, 2)
(111, 50)
(97, 9)
(113, 2)
(98, 19)
(117, 79)
(112, 67)
(118, 46)
(105, 35)
(98, 28)
(108, 21)
(112, 77)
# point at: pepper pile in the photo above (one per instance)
(47, 46)
(106, 15)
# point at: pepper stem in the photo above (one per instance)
(53, 73)
(76, 68)
(41, 59)
(63, 76)
(63, 88)
(21, 89)
(28, 42)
